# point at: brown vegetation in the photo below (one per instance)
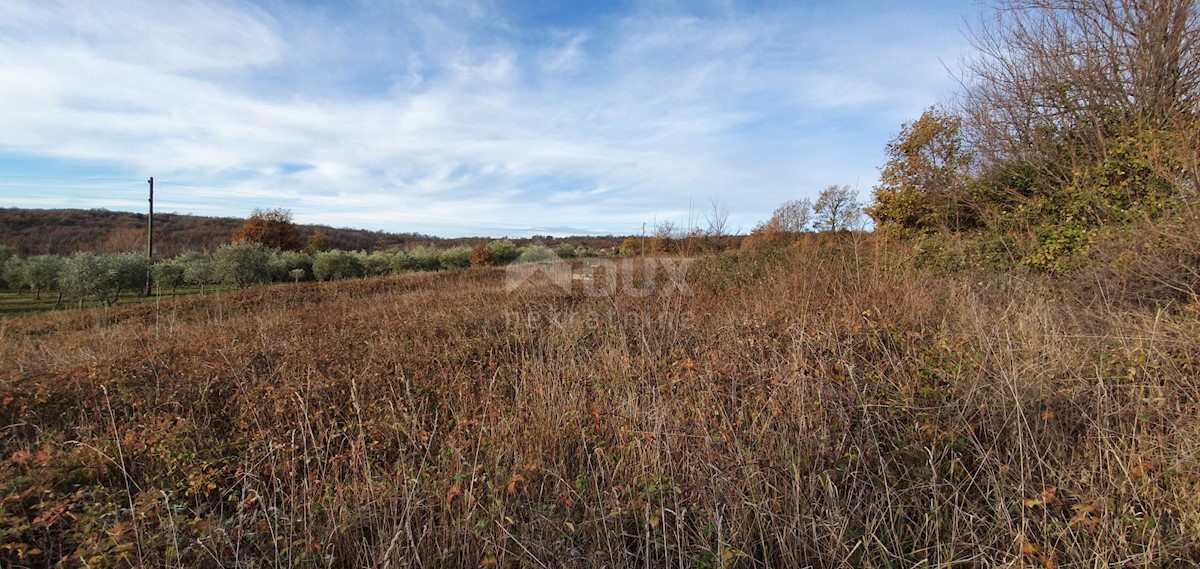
(805, 407)
(64, 231)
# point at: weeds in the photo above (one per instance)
(814, 406)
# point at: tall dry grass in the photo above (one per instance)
(820, 406)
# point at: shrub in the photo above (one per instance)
(336, 265)
(426, 258)
(456, 258)
(565, 251)
(504, 252)
(630, 247)
(376, 264)
(536, 254)
(403, 262)
(481, 256)
(5, 255)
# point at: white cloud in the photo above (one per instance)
(448, 116)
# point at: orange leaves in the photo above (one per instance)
(516, 483)
(454, 492)
(1047, 498)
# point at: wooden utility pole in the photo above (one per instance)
(150, 239)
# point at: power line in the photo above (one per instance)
(68, 178)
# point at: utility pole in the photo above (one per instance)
(150, 240)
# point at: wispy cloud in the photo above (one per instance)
(468, 117)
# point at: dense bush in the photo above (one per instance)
(425, 259)
(481, 256)
(535, 254)
(455, 258)
(504, 251)
(376, 264)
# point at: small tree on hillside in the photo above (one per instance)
(197, 269)
(84, 275)
(272, 227)
(836, 208)
(630, 247)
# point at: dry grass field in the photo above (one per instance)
(820, 407)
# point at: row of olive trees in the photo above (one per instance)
(79, 277)
(105, 278)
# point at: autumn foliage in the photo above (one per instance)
(272, 227)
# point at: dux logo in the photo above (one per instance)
(599, 277)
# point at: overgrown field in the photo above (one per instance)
(817, 407)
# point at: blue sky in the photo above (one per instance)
(462, 117)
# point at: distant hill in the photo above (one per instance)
(65, 231)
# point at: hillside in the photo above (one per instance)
(64, 231)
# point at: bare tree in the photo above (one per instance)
(717, 219)
(836, 208)
(1056, 81)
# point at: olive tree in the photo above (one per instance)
(426, 258)
(13, 272)
(282, 263)
(336, 265)
(169, 273)
(126, 271)
(41, 273)
(242, 264)
(83, 275)
(197, 269)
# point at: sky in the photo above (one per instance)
(463, 117)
